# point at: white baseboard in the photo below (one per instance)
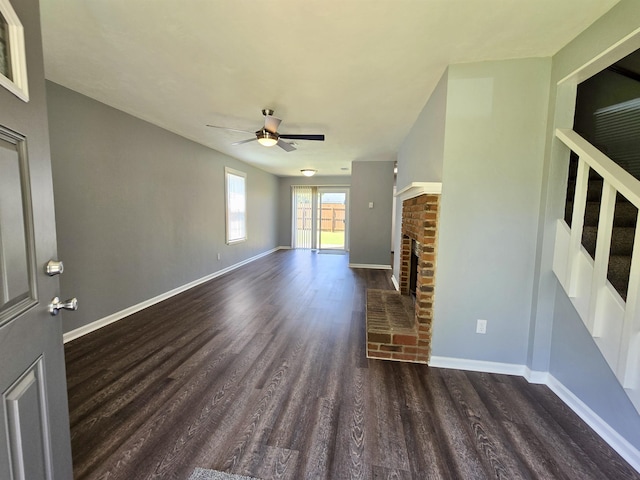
(627, 451)
(395, 282)
(370, 265)
(536, 376)
(616, 441)
(478, 365)
(114, 317)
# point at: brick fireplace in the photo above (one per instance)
(409, 340)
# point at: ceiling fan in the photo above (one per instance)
(269, 136)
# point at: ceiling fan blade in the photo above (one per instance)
(286, 146)
(303, 136)
(271, 123)
(230, 129)
(245, 141)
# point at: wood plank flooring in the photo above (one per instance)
(262, 372)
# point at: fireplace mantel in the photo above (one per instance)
(416, 189)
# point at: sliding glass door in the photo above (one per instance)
(319, 218)
(332, 219)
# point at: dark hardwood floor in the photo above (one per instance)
(262, 372)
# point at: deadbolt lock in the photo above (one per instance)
(54, 267)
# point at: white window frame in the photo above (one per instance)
(229, 202)
(18, 85)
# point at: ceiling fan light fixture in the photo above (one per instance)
(308, 172)
(268, 135)
(266, 138)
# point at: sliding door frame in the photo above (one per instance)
(316, 191)
(344, 190)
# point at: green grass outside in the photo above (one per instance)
(332, 239)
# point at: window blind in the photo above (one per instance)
(302, 203)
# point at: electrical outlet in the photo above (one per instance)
(219, 257)
(481, 326)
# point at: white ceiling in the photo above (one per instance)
(358, 71)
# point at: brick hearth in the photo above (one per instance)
(413, 343)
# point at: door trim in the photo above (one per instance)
(346, 191)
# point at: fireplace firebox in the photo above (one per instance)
(413, 268)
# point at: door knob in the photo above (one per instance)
(54, 267)
(56, 305)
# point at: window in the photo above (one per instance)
(5, 66)
(236, 205)
(13, 64)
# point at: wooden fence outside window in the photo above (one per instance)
(332, 217)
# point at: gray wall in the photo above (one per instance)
(140, 211)
(492, 175)
(496, 250)
(421, 154)
(561, 115)
(589, 376)
(370, 228)
(574, 358)
(284, 199)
